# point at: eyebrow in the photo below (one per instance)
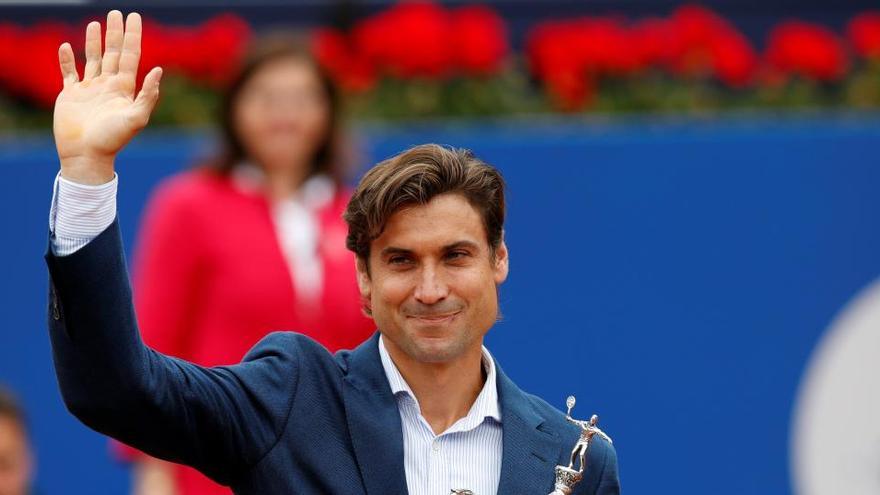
(391, 250)
(462, 244)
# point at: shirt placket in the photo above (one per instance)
(438, 467)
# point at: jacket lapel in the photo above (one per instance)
(374, 421)
(530, 453)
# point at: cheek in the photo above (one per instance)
(316, 125)
(13, 468)
(247, 125)
(391, 291)
(488, 297)
(245, 113)
(483, 293)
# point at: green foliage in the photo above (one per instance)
(511, 93)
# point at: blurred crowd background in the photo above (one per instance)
(693, 214)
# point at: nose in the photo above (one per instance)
(431, 287)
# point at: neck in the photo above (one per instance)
(445, 391)
(283, 181)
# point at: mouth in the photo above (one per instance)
(434, 319)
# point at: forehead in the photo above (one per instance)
(446, 219)
(285, 72)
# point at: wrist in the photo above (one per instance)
(91, 171)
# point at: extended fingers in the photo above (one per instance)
(67, 63)
(93, 51)
(112, 43)
(147, 98)
(131, 48)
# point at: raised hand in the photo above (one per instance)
(97, 116)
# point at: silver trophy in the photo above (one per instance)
(567, 476)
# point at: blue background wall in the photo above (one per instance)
(673, 274)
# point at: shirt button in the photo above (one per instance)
(435, 446)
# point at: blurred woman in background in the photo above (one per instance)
(16, 457)
(253, 242)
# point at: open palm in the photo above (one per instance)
(97, 116)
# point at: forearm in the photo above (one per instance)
(81, 339)
(98, 354)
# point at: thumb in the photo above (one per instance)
(148, 96)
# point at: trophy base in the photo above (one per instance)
(566, 478)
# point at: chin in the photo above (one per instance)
(436, 350)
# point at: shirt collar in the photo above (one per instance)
(314, 193)
(485, 406)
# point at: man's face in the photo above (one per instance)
(432, 285)
(15, 458)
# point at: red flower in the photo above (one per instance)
(415, 39)
(224, 38)
(331, 49)
(156, 49)
(734, 61)
(555, 60)
(411, 39)
(694, 42)
(549, 49)
(208, 54)
(10, 39)
(181, 52)
(863, 32)
(39, 80)
(654, 42)
(479, 40)
(696, 26)
(706, 44)
(350, 69)
(807, 50)
(605, 46)
(568, 56)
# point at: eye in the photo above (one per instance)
(398, 260)
(457, 255)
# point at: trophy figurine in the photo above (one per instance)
(567, 476)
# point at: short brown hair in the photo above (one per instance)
(414, 177)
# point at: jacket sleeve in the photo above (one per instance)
(167, 274)
(218, 420)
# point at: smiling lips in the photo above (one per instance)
(432, 318)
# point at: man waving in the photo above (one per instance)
(420, 408)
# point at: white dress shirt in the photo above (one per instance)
(467, 456)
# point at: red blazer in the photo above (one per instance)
(210, 280)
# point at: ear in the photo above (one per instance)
(365, 285)
(502, 263)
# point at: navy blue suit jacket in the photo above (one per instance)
(290, 418)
